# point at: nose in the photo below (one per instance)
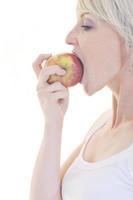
(71, 38)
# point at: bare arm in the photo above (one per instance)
(45, 184)
(53, 98)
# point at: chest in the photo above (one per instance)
(101, 147)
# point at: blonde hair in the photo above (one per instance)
(118, 13)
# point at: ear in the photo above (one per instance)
(128, 62)
(130, 57)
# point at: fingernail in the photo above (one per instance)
(63, 71)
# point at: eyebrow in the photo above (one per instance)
(83, 14)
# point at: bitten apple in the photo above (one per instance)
(71, 64)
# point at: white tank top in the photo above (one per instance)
(108, 179)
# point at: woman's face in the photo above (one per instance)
(100, 49)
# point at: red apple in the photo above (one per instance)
(71, 64)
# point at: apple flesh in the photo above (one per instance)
(71, 64)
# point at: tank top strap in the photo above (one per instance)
(130, 160)
(95, 128)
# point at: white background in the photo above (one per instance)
(27, 29)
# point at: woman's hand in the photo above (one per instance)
(54, 97)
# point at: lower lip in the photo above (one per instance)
(82, 76)
(82, 79)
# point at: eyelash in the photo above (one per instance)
(86, 28)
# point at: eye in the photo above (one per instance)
(86, 28)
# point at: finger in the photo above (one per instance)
(47, 71)
(37, 64)
(57, 86)
(40, 59)
(58, 95)
(52, 87)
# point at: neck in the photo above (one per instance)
(122, 113)
(122, 101)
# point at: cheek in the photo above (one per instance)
(101, 63)
(102, 58)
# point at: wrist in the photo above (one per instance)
(54, 120)
(54, 123)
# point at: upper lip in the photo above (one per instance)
(75, 53)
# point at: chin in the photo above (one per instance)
(88, 90)
(92, 90)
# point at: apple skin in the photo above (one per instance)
(71, 64)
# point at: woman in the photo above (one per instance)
(101, 167)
